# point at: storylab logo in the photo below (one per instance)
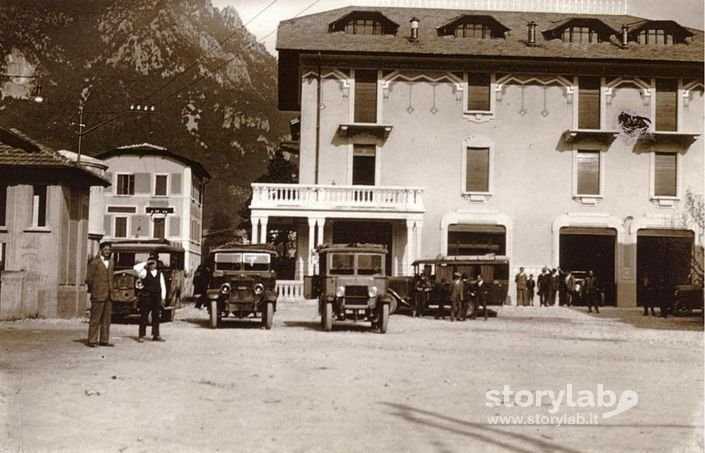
(567, 406)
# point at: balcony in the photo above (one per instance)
(334, 197)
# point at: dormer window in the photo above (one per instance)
(364, 23)
(660, 32)
(581, 31)
(477, 27)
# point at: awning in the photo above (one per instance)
(658, 232)
(476, 228)
(588, 231)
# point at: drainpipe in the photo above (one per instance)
(318, 117)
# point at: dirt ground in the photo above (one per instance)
(420, 387)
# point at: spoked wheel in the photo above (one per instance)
(327, 317)
(384, 319)
(681, 307)
(268, 316)
(215, 316)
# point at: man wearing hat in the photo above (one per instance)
(152, 296)
(456, 296)
(99, 278)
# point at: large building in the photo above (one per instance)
(568, 140)
(155, 194)
(44, 209)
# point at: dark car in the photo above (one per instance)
(687, 298)
(352, 285)
(242, 284)
(127, 284)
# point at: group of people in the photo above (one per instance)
(99, 278)
(463, 295)
(555, 282)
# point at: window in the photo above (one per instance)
(365, 96)
(363, 23)
(473, 30)
(583, 35)
(196, 190)
(477, 170)
(160, 185)
(125, 185)
(589, 103)
(666, 104)
(364, 26)
(39, 206)
(588, 164)
(665, 175)
(159, 228)
(655, 36)
(120, 227)
(479, 92)
(3, 205)
(363, 173)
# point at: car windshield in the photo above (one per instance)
(236, 261)
(256, 261)
(228, 261)
(369, 264)
(342, 264)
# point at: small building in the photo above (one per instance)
(44, 210)
(155, 194)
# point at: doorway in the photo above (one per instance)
(584, 249)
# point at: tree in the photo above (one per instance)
(693, 217)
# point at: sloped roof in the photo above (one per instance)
(148, 149)
(310, 34)
(17, 151)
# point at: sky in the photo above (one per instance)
(263, 25)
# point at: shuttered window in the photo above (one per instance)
(160, 185)
(665, 174)
(666, 102)
(588, 173)
(365, 96)
(477, 170)
(125, 185)
(363, 165)
(120, 227)
(589, 103)
(478, 92)
(159, 229)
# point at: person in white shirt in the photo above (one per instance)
(152, 296)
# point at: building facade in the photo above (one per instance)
(155, 194)
(44, 209)
(568, 140)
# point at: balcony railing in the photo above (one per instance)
(272, 196)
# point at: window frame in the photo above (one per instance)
(479, 115)
(40, 206)
(115, 226)
(664, 200)
(477, 143)
(131, 184)
(166, 184)
(586, 198)
(373, 155)
(353, 103)
(162, 221)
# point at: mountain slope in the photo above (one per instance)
(213, 87)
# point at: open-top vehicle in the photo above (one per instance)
(127, 284)
(242, 284)
(352, 285)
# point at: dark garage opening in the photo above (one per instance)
(347, 232)
(467, 240)
(584, 249)
(664, 256)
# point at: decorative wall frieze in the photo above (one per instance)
(527, 79)
(646, 88)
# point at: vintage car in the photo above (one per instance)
(242, 284)
(126, 282)
(687, 298)
(439, 272)
(352, 285)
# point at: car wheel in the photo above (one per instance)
(327, 317)
(393, 305)
(384, 318)
(215, 318)
(268, 316)
(682, 307)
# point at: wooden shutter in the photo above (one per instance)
(175, 183)
(665, 175)
(160, 183)
(174, 226)
(477, 170)
(478, 92)
(589, 103)
(142, 183)
(666, 102)
(588, 173)
(365, 96)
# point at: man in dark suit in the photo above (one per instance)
(592, 295)
(481, 295)
(99, 278)
(457, 295)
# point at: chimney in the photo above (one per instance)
(625, 35)
(532, 33)
(414, 29)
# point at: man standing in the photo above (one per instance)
(99, 278)
(591, 292)
(520, 281)
(543, 286)
(152, 296)
(481, 291)
(530, 289)
(421, 291)
(569, 288)
(456, 296)
(554, 284)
